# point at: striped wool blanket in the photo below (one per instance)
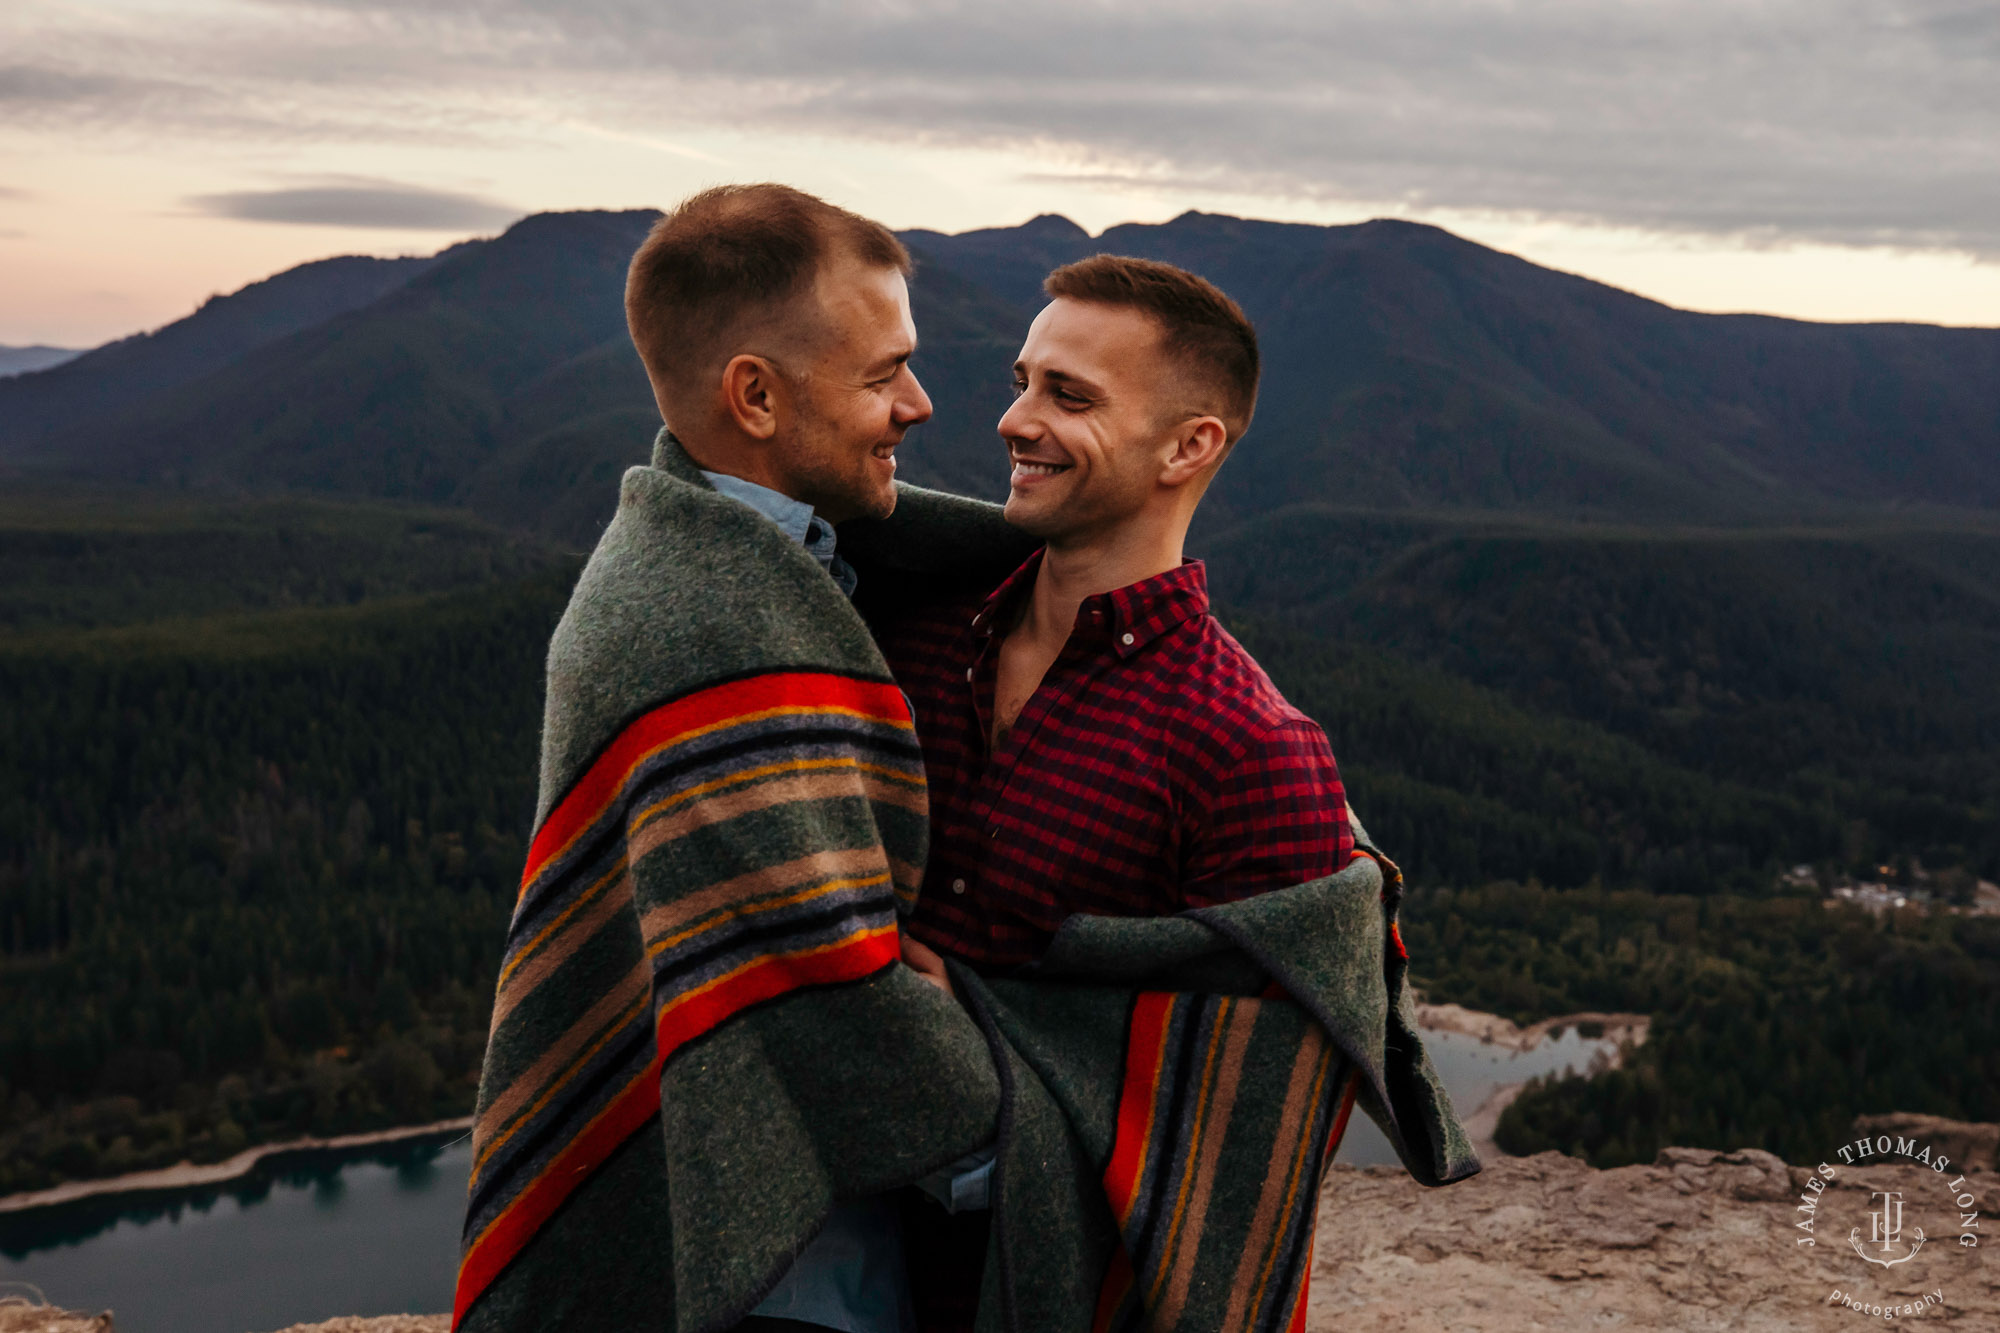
(702, 1036)
(1174, 1089)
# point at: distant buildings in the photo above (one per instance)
(1879, 896)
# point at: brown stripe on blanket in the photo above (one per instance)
(764, 883)
(548, 932)
(558, 950)
(1214, 1131)
(597, 1042)
(1302, 1093)
(633, 988)
(760, 789)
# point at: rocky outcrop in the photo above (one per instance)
(1975, 1147)
(20, 1314)
(24, 1314)
(383, 1323)
(1698, 1241)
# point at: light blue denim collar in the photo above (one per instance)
(795, 518)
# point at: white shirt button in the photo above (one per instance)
(958, 886)
(1125, 639)
(968, 673)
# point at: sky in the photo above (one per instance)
(1821, 159)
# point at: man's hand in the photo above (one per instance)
(924, 961)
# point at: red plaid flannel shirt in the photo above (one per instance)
(1156, 769)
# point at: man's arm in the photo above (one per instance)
(1278, 817)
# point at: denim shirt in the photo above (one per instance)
(795, 518)
(852, 1275)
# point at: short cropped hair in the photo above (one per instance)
(1200, 327)
(730, 261)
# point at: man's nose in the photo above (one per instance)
(914, 407)
(1017, 422)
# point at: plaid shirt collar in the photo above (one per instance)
(1127, 618)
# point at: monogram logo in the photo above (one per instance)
(1885, 1231)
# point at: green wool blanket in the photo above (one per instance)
(702, 1036)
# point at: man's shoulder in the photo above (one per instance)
(685, 588)
(1222, 680)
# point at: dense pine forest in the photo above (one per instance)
(269, 771)
(256, 855)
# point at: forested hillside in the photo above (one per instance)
(1843, 675)
(270, 777)
(256, 854)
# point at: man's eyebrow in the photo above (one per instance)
(898, 359)
(1074, 381)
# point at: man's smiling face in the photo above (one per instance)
(1093, 420)
(857, 398)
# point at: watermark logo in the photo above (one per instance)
(1887, 1231)
(1893, 1229)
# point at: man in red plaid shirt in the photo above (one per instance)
(1095, 741)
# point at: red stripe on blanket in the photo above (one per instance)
(1145, 1049)
(1297, 1324)
(695, 1013)
(808, 691)
(1118, 1279)
(1339, 1130)
(708, 1007)
(510, 1232)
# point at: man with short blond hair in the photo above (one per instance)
(701, 1009)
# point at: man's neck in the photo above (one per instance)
(741, 463)
(1074, 571)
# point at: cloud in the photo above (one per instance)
(352, 202)
(1853, 121)
(28, 84)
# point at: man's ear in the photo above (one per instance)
(752, 391)
(1198, 446)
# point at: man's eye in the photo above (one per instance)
(1020, 387)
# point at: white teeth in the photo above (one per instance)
(1028, 469)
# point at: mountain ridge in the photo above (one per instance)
(1406, 368)
(38, 356)
(103, 381)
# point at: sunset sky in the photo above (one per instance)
(1826, 159)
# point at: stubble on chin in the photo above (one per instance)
(1038, 524)
(882, 504)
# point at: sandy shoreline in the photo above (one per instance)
(1485, 1118)
(1620, 1028)
(186, 1175)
